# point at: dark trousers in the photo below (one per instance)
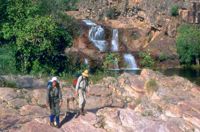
(52, 117)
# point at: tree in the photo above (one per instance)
(40, 39)
(188, 44)
(3, 17)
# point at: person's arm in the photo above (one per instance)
(60, 97)
(87, 87)
(47, 97)
(78, 83)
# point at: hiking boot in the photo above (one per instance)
(57, 126)
(77, 114)
(52, 124)
(82, 112)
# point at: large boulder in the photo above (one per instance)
(33, 110)
(82, 124)
(7, 94)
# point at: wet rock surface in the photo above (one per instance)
(123, 104)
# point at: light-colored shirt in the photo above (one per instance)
(81, 83)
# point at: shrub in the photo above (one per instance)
(151, 86)
(111, 13)
(7, 83)
(188, 44)
(174, 10)
(146, 60)
(162, 57)
(111, 61)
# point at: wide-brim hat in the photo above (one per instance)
(85, 73)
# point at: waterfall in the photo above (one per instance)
(97, 37)
(115, 39)
(86, 61)
(130, 61)
(89, 23)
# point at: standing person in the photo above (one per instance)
(81, 89)
(54, 101)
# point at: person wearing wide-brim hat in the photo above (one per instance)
(81, 89)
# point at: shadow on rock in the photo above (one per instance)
(69, 116)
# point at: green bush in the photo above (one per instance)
(188, 44)
(111, 61)
(7, 59)
(151, 86)
(146, 60)
(7, 83)
(111, 13)
(174, 10)
(162, 57)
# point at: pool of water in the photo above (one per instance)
(188, 73)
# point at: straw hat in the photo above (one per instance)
(85, 73)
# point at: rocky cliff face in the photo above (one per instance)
(148, 102)
(146, 25)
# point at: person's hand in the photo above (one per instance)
(76, 94)
(60, 104)
(47, 105)
(88, 94)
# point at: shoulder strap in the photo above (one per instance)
(80, 80)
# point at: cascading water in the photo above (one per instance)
(89, 23)
(130, 61)
(97, 36)
(115, 40)
(86, 61)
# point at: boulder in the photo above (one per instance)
(33, 110)
(7, 94)
(39, 96)
(82, 124)
(34, 126)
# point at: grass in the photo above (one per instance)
(7, 83)
(138, 101)
(147, 113)
(151, 86)
(94, 78)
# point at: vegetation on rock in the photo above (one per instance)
(174, 10)
(188, 44)
(146, 60)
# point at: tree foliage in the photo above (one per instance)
(188, 44)
(40, 37)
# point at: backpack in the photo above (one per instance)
(49, 84)
(75, 80)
